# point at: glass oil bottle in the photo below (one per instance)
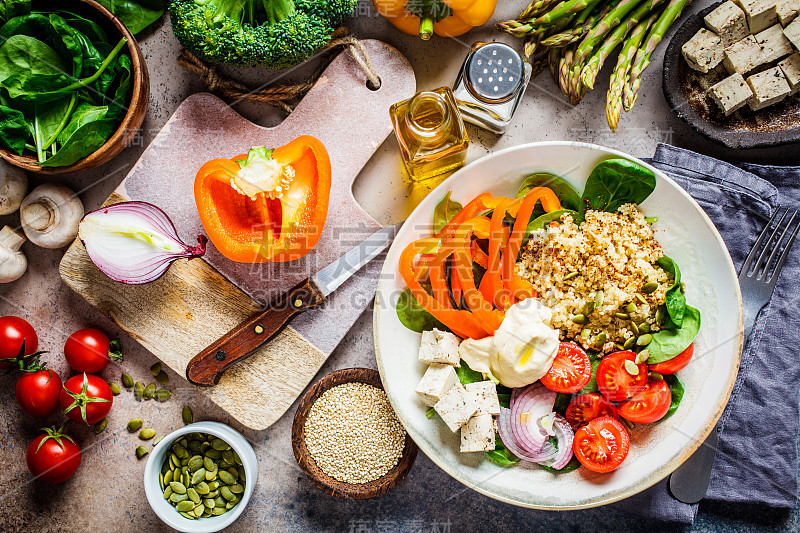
(430, 132)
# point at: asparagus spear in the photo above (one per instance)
(577, 31)
(565, 8)
(606, 24)
(516, 28)
(643, 55)
(535, 8)
(620, 74)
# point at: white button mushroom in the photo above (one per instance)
(12, 262)
(13, 186)
(50, 215)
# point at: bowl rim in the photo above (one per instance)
(126, 131)
(239, 444)
(329, 485)
(696, 440)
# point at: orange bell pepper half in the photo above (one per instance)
(267, 205)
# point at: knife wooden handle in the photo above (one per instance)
(206, 368)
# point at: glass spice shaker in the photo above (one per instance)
(430, 132)
(490, 85)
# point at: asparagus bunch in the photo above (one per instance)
(574, 38)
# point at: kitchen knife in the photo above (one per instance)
(206, 368)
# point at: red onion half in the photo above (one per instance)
(134, 242)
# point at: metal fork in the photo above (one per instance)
(757, 279)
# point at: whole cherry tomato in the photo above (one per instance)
(38, 391)
(53, 457)
(90, 350)
(86, 398)
(15, 333)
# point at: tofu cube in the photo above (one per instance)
(477, 435)
(456, 407)
(761, 14)
(743, 56)
(485, 395)
(731, 94)
(704, 51)
(769, 87)
(791, 70)
(792, 32)
(439, 347)
(729, 22)
(787, 10)
(774, 44)
(436, 382)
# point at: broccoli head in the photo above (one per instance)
(245, 33)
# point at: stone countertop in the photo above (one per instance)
(106, 493)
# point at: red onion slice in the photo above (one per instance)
(134, 242)
(565, 436)
(504, 429)
(538, 401)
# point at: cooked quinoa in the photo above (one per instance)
(615, 253)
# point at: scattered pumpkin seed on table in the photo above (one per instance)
(162, 378)
(135, 424)
(127, 381)
(162, 395)
(149, 391)
(155, 369)
(115, 390)
(188, 418)
(138, 390)
(147, 433)
(141, 451)
(101, 426)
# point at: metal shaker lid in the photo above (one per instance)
(494, 72)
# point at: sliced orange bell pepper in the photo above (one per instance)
(446, 18)
(268, 205)
(492, 286)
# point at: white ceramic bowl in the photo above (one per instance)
(686, 234)
(166, 512)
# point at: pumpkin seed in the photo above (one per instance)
(135, 424)
(579, 319)
(220, 445)
(199, 476)
(155, 369)
(195, 463)
(569, 276)
(141, 451)
(629, 343)
(180, 451)
(661, 315)
(214, 494)
(167, 492)
(619, 346)
(655, 376)
(115, 390)
(649, 287)
(186, 478)
(208, 463)
(219, 500)
(585, 332)
(631, 367)
(622, 316)
(202, 488)
(640, 298)
(149, 391)
(230, 505)
(162, 378)
(189, 516)
(598, 299)
(204, 447)
(236, 458)
(167, 477)
(226, 477)
(185, 506)
(642, 356)
(635, 329)
(600, 340)
(209, 502)
(217, 511)
(188, 418)
(147, 433)
(161, 481)
(214, 454)
(101, 426)
(226, 493)
(127, 381)
(232, 471)
(178, 487)
(175, 498)
(213, 485)
(588, 308)
(227, 456)
(644, 340)
(138, 390)
(194, 446)
(630, 307)
(192, 493)
(198, 511)
(158, 439)
(163, 395)
(644, 327)
(211, 475)
(224, 465)
(183, 442)
(236, 488)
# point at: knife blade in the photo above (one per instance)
(206, 368)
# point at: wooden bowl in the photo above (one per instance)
(137, 108)
(350, 491)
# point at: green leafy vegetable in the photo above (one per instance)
(562, 402)
(504, 396)
(540, 221)
(677, 389)
(500, 455)
(615, 182)
(466, 375)
(591, 386)
(430, 412)
(444, 212)
(566, 194)
(569, 467)
(83, 136)
(675, 300)
(135, 14)
(413, 316)
(14, 130)
(668, 343)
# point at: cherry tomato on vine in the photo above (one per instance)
(86, 398)
(38, 392)
(90, 350)
(570, 371)
(14, 333)
(601, 445)
(53, 457)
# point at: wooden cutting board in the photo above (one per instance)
(198, 301)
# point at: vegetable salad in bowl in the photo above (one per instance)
(552, 322)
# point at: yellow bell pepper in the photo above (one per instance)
(446, 18)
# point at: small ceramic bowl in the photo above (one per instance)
(334, 487)
(137, 106)
(166, 512)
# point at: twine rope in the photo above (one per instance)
(278, 95)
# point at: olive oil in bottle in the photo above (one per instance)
(430, 132)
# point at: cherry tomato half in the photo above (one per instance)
(601, 445)
(38, 392)
(586, 407)
(15, 331)
(613, 379)
(86, 398)
(649, 405)
(571, 369)
(53, 457)
(90, 350)
(675, 364)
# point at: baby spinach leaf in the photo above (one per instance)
(675, 300)
(14, 130)
(668, 343)
(573, 464)
(562, 402)
(88, 28)
(135, 14)
(82, 141)
(500, 455)
(615, 182)
(445, 210)
(413, 316)
(591, 386)
(51, 116)
(16, 8)
(67, 43)
(24, 56)
(677, 389)
(566, 194)
(540, 222)
(28, 24)
(466, 375)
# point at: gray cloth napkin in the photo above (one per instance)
(756, 461)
